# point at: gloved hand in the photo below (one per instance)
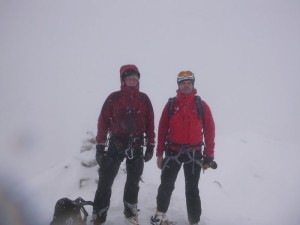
(206, 161)
(100, 153)
(148, 153)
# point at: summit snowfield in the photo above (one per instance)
(60, 59)
(253, 184)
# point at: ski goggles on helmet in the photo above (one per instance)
(185, 75)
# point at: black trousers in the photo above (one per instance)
(107, 174)
(168, 177)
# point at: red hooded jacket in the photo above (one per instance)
(185, 127)
(127, 113)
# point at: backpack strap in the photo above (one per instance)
(170, 106)
(199, 107)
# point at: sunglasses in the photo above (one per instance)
(130, 73)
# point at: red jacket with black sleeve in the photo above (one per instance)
(185, 127)
(126, 114)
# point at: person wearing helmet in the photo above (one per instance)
(126, 123)
(186, 126)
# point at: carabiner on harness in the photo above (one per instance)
(129, 150)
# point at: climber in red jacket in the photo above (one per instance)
(186, 135)
(126, 123)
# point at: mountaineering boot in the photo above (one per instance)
(99, 218)
(131, 214)
(134, 220)
(96, 221)
(160, 218)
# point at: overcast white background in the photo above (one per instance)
(60, 59)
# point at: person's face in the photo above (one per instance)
(131, 81)
(186, 87)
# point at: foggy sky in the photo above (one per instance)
(59, 60)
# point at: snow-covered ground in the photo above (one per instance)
(255, 183)
(59, 60)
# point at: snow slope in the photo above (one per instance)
(254, 184)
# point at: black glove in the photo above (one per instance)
(148, 153)
(100, 153)
(207, 161)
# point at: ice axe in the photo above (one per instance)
(212, 165)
